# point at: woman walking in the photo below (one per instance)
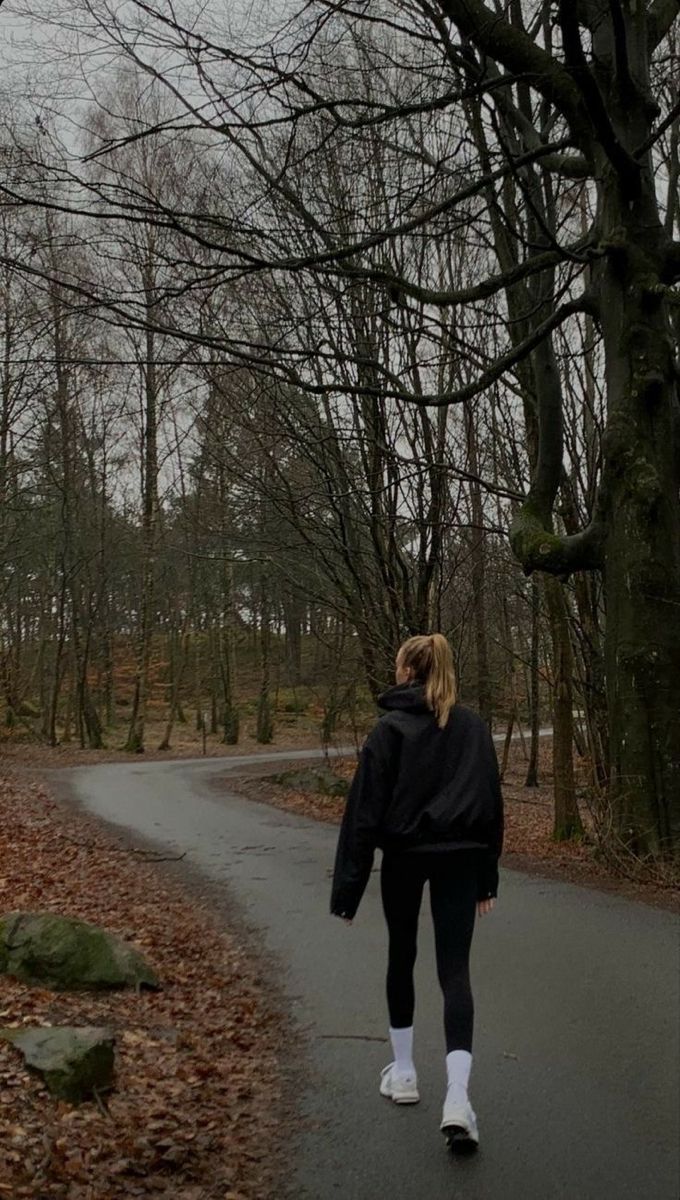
(427, 792)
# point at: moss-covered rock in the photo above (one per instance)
(73, 1062)
(314, 779)
(66, 954)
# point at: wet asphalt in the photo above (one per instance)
(577, 1046)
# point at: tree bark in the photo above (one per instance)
(566, 820)
(478, 574)
(534, 688)
(135, 737)
(641, 497)
(177, 679)
(265, 722)
(230, 713)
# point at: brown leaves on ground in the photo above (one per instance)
(20, 749)
(529, 845)
(192, 1115)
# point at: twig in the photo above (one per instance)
(349, 1037)
(171, 858)
(101, 1105)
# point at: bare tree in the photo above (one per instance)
(498, 127)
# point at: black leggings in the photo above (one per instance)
(453, 878)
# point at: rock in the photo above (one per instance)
(314, 779)
(65, 954)
(73, 1062)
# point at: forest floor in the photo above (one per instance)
(194, 1112)
(19, 748)
(528, 845)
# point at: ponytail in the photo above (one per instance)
(431, 661)
(440, 686)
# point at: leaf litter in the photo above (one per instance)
(195, 1114)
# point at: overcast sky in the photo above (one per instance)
(50, 67)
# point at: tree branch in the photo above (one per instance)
(519, 53)
(268, 357)
(537, 549)
(506, 361)
(627, 88)
(671, 116)
(626, 166)
(142, 212)
(660, 17)
(580, 252)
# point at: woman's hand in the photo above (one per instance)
(484, 906)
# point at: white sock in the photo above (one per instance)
(458, 1066)
(402, 1048)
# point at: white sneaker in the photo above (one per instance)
(402, 1089)
(459, 1125)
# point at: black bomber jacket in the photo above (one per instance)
(418, 787)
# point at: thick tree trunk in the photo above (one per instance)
(642, 484)
(642, 574)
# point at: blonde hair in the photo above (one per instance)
(430, 659)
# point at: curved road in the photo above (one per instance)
(575, 1077)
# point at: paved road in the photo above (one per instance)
(575, 1076)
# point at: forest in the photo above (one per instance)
(364, 328)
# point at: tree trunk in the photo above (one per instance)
(177, 677)
(478, 576)
(507, 742)
(292, 616)
(642, 483)
(135, 738)
(534, 681)
(265, 722)
(230, 714)
(567, 822)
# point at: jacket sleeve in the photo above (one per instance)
(488, 873)
(368, 797)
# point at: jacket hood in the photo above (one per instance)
(406, 697)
